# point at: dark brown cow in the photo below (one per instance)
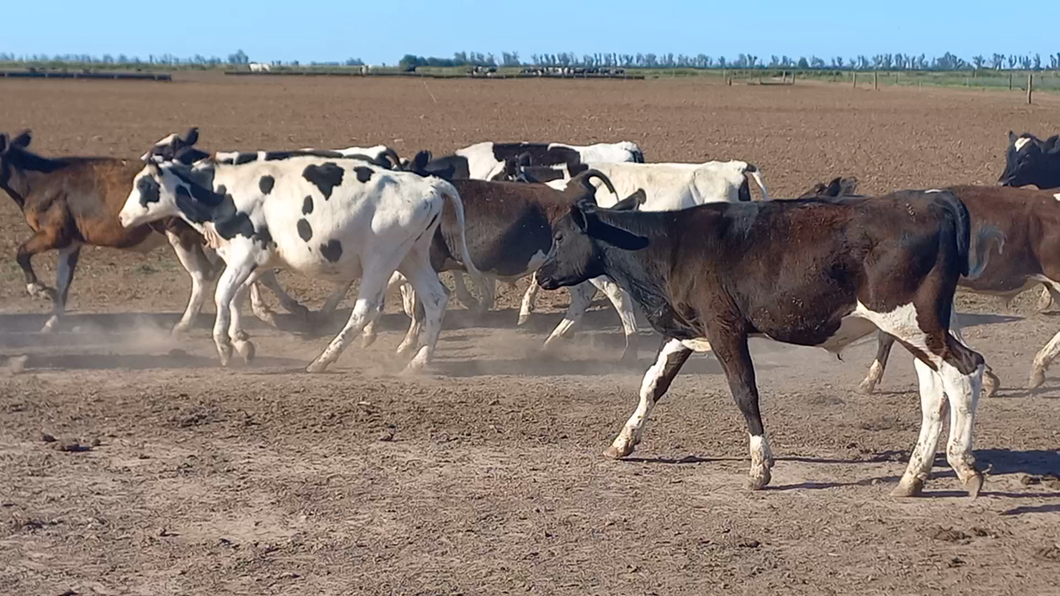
(72, 201)
(508, 227)
(809, 272)
(1030, 222)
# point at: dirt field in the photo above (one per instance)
(170, 475)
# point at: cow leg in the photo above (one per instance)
(432, 297)
(289, 304)
(67, 265)
(236, 334)
(336, 297)
(735, 358)
(42, 241)
(622, 303)
(672, 356)
(991, 382)
(884, 343)
(463, 295)
(366, 309)
(488, 289)
(960, 370)
(527, 306)
(581, 296)
(235, 275)
(259, 308)
(368, 336)
(198, 266)
(932, 410)
(1047, 354)
(1048, 298)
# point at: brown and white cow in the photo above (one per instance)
(72, 201)
(809, 272)
(1030, 255)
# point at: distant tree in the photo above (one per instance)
(240, 57)
(1037, 62)
(816, 62)
(837, 62)
(803, 64)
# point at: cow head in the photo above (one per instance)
(10, 150)
(1030, 160)
(168, 190)
(838, 187)
(577, 244)
(176, 148)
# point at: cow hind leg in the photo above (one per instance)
(672, 355)
(463, 295)
(289, 304)
(235, 275)
(1047, 354)
(369, 335)
(366, 309)
(884, 343)
(432, 297)
(64, 277)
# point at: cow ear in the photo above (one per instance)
(1012, 138)
(192, 137)
(614, 235)
(580, 213)
(848, 186)
(23, 139)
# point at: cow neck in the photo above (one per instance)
(645, 273)
(19, 168)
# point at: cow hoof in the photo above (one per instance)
(758, 478)
(246, 350)
(618, 452)
(867, 387)
(43, 292)
(406, 350)
(523, 318)
(1045, 302)
(239, 335)
(179, 330)
(974, 484)
(908, 488)
(51, 326)
(316, 367)
(367, 340)
(990, 384)
(1037, 379)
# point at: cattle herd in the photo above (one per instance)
(705, 264)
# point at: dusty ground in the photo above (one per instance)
(170, 475)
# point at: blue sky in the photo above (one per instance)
(377, 32)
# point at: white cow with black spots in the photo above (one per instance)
(332, 218)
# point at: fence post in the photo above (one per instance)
(854, 77)
(875, 80)
(792, 77)
(1010, 81)
(1030, 87)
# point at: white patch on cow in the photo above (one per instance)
(851, 328)
(699, 344)
(761, 459)
(900, 322)
(1057, 196)
(933, 190)
(1021, 142)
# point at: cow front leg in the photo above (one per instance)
(529, 297)
(40, 242)
(581, 296)
(624, 306)
(198, 266)
(365, 310)
(672, 356)
(735, 358)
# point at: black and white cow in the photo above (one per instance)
(1030, 160)
(487, 160)
(667, 187)
(331, 218)
(809, 272)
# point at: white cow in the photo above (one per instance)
(337, 219)
(259, 67)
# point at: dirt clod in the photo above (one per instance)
(948, 535)
(47, 438)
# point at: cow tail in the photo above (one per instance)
(957, 214)
(453, 198)
(980, 257)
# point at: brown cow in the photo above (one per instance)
(73, 201)
(1030, 222)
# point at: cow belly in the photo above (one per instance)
(851, 329)
(150, 242)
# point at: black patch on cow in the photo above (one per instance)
(149, 190)
(263, 236)
(281, 155)
(194, 210)
(266, 183)
(326, 177)
(332, 251)
(243, 158)
(363, 174)
(229, 222)
(305, 231)
(222, 190)
(307, 205)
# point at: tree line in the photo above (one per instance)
(239, 58)
(898, 61)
